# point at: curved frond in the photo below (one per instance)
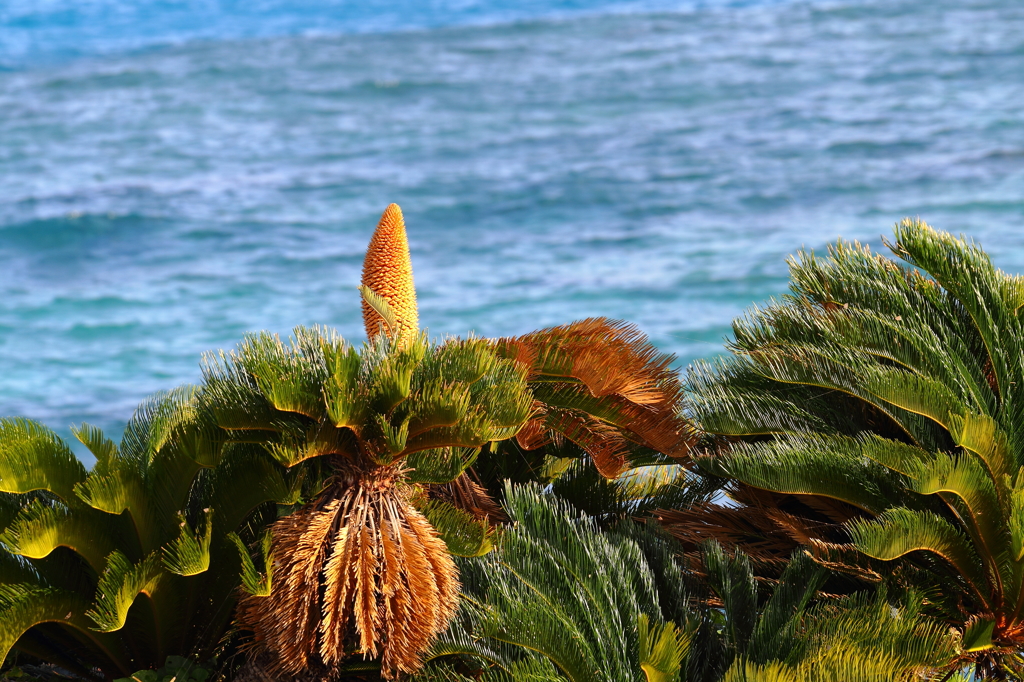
(32, 457)
(101, 447)
(119, 584)
(41, 527)
(24, 606)
(441, 465)
(189, 553)
(662, 649)
(464, 534)
(121, 490)
(831, 466)
(900, 531)
(256, 581)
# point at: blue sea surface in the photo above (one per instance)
(176, 174)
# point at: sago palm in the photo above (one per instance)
(118, 567)
(794, 634)
(361, 568)
(561, 599)
(892, 390)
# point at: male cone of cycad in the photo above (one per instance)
(387, 272)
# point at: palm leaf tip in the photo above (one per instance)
(387, 272)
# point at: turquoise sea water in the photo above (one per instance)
(175, 174)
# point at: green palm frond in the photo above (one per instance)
(981, 434)
(866, 635)
(440, 465)
(464, 535)
(41, 527)
(25, 606)
(141, 526)
(122, 490)
(776, 634)
(32, 457)
(900, 531)
(663, 648)
(101, 447)
(810, 464)
(189, 553)
(915, 393)
(255, 580)
(732, 580)
(731, 398)
(796, 636)
(387, 401)
(891, 386)
(120, 583)
(563, 600)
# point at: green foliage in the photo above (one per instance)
(429, 405)
(463, 534)
(789, 637)
(255, 580)
(892, 388)
(562, 599)
(559, 599)
(118, 567)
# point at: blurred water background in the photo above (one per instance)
(174, 174)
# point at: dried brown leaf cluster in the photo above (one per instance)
(466, 493)
(358, 570)
(768, 527)
(601, 384)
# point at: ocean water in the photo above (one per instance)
(176, 174)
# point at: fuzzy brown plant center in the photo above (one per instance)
(356, 571)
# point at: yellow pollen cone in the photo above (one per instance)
(387, 271)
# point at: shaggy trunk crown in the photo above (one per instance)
(357, 570)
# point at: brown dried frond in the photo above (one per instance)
(298, 553)
(466, 493)
(387, 271)
(848, 560)
(606, 446)
(534, 433)
(606, 438)
(769, 527)
(378, 581)
(259, 668)
(608, 356)
(801, 530)
(616, 363)
(747, 528)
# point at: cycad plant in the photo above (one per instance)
(892, 389)
(359, 567)
(396, 425)
(561, 599)
(118, 567)
(794, 634)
